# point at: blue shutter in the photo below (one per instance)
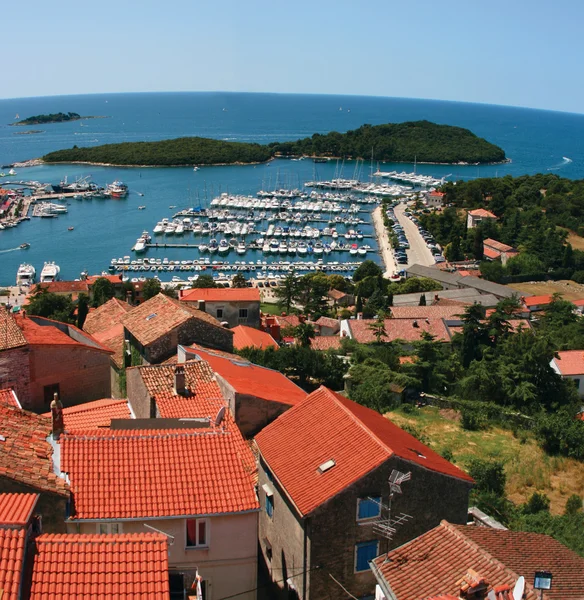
(366, 551)
(368, 508)
(270, 506)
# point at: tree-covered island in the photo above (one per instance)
(59, 117)
(396, 142)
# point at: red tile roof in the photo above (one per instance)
(115, 279)
(221, 295)
(579, 302)
(492, 254)
(12, 543)
(252, 380)
(407, 360)
(538, 300)
(329, 426)
(288, 321)
(328, 322)
(62, 287)
(8, 396)
(399, 329)
(435, 563)
(499, 246)
(248, 337)
(10, 334)
(120, 567)
(437, 194)
(17, 509)
(570, 362)
(326, 342)
(159, 315)
(481, 212)
(157, 473)
(25, 453)
(427, 312)
(336, 294)
(92, 415)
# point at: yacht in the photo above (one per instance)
(223, 247)
(25, 275)
(241, 248)
(213, 246)
(12, 172)
(50, 272)
(117, 189)
(160, 226)
(302, 248)
(180, 228)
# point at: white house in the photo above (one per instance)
(570, 365)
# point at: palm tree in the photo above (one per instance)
(303, 333)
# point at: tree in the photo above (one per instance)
(102, 290)
(375, 304)
(313, 293)
(82, 309)
(474, 334)
(378, 327)
(367, 269)
(478, 246)
(573, 505)
(151, 288)
(422, 300)
(239, 281)
(303, 333)
(287, 291)
(204, 281)
(51, 306)
(359, 305)
(453, 251)
(538, 502)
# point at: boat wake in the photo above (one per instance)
(10, 250)
(565, 161)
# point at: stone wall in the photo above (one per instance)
(15, 373)
(231, 312)
(138, 395)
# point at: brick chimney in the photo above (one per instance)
(473, 586)
(129, 297)
(180, 380)
(57, 417)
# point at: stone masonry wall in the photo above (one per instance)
(138, 395)
(15, 373)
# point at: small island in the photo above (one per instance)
(52, 118)
(394, 142)
(28, 132)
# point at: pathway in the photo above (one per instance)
(383, 242)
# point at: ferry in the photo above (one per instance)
(50, 272)
(25, 275)
(117, 189)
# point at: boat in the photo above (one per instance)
(353, 250)
(70, 228)
(302, 249)
(140, 245)
(24, 246)
(224, 247)
(2, 174)
(50, 272)
(213, 246)
(320, 160)
(25, 275)
(195, 169)
(159, 227)
(180, 229)
(12, 172)
(141, 207)
(117, 189)
(241, 248)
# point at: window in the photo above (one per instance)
(269, 474)
(368, 508)
(270, 506)
(365, 552)
(109, 528)
(577, 382)
(243, 315)
(49, 392)
(268, 546)
(197, 533)
(219, 313)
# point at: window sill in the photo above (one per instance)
(197, 547)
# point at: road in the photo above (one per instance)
(419, 253)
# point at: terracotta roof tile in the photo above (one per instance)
(8, 396)
(221, 295)
(431, 311)
(157, 316)
(537, 300)
(400, 329)
(92, 415)
(490, 253)
(328, 322)
(329, 426)
(25, 453)
(481, 212)
(326, 342)
(10, 334)
(115, 279)
(288, 321)
(436, 194)
(499, 246)
(16, 509)
(62, 287)
(250, 379)
(108, 567)
(156, 473)
(570, 362)
(336, 294)
(12, 542)
(248, 337)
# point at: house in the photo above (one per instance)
(40, 357)
(465, 561)
(45, 566)
(248, 337)
(105, 325)
(427, 312)
(338, 298)
(155, 328)
(256, 395)
(235, 306)
(62, 288)
(569, 364)
(494, 250)
(407, 330)
(328, 326)
(26, 463)
(578, 306)
(326, 342)
(477, 216)
(96, 414)
(190, 481)
(435, 199)
(464, 296)
(324, 469)
(537, 303)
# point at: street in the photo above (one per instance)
(419, 253)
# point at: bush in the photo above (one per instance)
(561, 434)
(415, 432)
(573, 505)
(578, 276)
(408, 408)
(537, 503)
(473, 420)
(489, 475)
(447, 454)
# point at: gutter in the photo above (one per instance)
(167, 518)
(387, 592)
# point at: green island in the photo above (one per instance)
(59, 117)
(397, 142)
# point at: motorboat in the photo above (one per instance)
(160, 226)
(241, 249)
(117, 189)
(25, 275)
(213, 246)
(24, 246)
(50, 272)
(224, 247)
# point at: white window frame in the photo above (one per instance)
(207, 543)
(241, 319)
(109, 527)
(366, 519)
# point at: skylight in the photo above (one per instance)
(326, 466)
(150, 316)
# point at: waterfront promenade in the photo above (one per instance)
(383, 242)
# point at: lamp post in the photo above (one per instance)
(542, 580)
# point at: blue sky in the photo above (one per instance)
(514, 52)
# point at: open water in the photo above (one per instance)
(535, 140)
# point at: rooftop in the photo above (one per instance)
(25, 454)
(16, 509)
(326, 342)
(157, 473)
(10, 334)
(408, 330)
(157, 316)
(121, 567)
(8, 396)
(327, 426)
(12, 542)
(92, 415)
(490, 253)
(221, 294)
(482, 213)
(248, 337)
(328, 322)
(538, 300)
(570, 362)
(115, 279)
(499, 246)
(430, 311)
(62, 287)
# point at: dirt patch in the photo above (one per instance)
(450, 414)
(570, 290)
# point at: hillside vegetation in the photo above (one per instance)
(402, 142)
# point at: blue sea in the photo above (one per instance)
(534, 140)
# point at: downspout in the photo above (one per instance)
(305, 559)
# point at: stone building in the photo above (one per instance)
(155, 328)
(235, 306)
(477, 216)
(40, 357)
(324, 470)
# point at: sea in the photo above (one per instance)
(536, 141)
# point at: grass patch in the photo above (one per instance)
(570, 290)
(527, 467)
(270, 309)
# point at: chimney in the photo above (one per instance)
(180, 380)
(57, 416)
(436, 297)
(415, 324)
(129, 297)
(359, 316)
(152, 407)
(473, 586)
(24, 314)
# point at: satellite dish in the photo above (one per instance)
(491, 595)
(219, 416)
(519, 589)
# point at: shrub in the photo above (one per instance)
(447, 454)
(415, 432)
(573, 505)
(578, 276)
(473, 420)
(561, 433)
(408, 408)
(489, 475)
(538, 502)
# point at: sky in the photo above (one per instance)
(512, 52)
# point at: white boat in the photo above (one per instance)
(50, 272)
(12, 172)
(353, 250)
(302, 248)
(180, 229)
(203, 248)
(224, 247)
(160, 226)
(318, 248)
(241, 248)
(25, 275)
(213, 246)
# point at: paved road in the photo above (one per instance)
(419, 253)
